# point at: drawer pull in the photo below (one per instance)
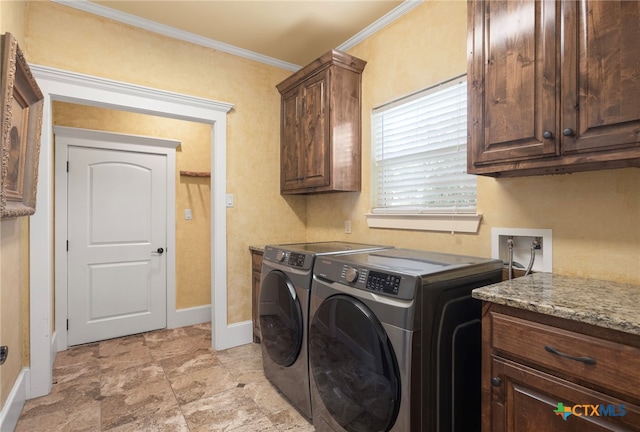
(585, 360)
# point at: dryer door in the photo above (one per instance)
(353, 365)
(280, 318)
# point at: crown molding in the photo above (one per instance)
(106, 12)
(96, 9)
(119, 87)
(382, 22)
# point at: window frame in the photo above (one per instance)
(418, 218)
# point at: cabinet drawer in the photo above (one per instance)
(573, 355)
(256, 261)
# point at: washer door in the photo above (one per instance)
(280, 318)
(353, 365)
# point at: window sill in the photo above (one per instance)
(461, 223)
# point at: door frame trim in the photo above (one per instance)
(66, 137)
(66, 86)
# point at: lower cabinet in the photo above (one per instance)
(543, 373)
(256, 267)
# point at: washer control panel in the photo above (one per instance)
(289, 258)
(371, 280)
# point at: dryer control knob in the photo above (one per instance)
(280, 256)
(351, 275)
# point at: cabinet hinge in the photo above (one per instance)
(67, 245)
(67, 166)
(67, 324)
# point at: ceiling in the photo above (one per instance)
(289, 33)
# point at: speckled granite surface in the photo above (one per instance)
(602, 303)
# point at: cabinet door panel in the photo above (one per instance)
(602, 92)
(315, 163)
(256, 267)
(513, 80)
(290, 153)
(531, 398)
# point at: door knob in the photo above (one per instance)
(547, 135)
(158, 251)
(496, 381)
(568, 132)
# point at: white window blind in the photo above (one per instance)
(420, 153)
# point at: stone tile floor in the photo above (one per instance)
(165, 380)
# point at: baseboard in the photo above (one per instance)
(13, 407)
(236, 334)
(54, 347)
(189, 316)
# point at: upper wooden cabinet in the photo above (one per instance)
(554, 86)
(320, 132)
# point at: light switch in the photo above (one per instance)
(229, 200)
(347, 227)
(187, 214)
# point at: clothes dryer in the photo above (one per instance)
(395, 340)
(283, 309)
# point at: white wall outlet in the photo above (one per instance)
(522, 242)
(187, 214)
(347, 227)
(229, 200)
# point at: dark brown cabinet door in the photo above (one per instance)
(290, 150)
(512, 80)
(554, 86)
(601, 76)
(526, 400)
(304, 140)
(256, 271)
(314, 163)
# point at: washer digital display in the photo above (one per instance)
(387, 283)
(296, 259)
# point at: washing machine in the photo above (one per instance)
(283, 309)
(395, 341)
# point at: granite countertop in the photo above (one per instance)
(601, 303)
(256, 248)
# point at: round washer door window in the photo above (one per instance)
(353, 365)
(280, 318)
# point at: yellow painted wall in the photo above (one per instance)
(595, 216)
(69, 39)
(14, 266)
(12, 19)
(12, 296)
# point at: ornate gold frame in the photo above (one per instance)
(21, 102)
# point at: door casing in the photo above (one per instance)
(61, 85)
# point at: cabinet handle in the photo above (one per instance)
(585, 360)
(568, 132)
(496, 381)
(547, 135)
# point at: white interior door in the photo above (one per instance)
(116, 240)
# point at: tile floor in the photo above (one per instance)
(165, 380)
